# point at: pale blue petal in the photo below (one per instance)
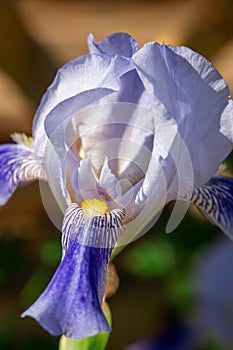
(194, 96)
(227, 121)
(215, 201)
(109, 184)
(71, 304)
(213, 79)
(104, 74)
(56, 175)
(82, 74)
(18, 164)
(125, 139)
(114, 44)
(203, 67)
(84, 182)
(58, 119)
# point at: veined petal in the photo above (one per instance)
(18, 164)
(71, 304)
(100, 231)
(215, 201)
(115, 44)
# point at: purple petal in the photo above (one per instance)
(114, 44)
(71, 303)
(215, 201)
(18, 164)
(180, 83)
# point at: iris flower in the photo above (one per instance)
(118, 134)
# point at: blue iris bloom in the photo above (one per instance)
(118, 134)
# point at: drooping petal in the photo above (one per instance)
(114, 44)
(18, 164)
(71, 304)
(183, 82)
(215, 201)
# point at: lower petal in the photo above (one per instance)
(17, 164)
(71, 304)
(215, 201)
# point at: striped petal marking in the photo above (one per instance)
(215, 201)
(18, 164)
(94, 216)
(71, 303)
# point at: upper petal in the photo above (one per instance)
(114, 44)
(82, 74)
(96, 78)
(187, 89)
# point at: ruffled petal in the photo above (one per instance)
(215, 201)
(18, 164)
(115, 44)
(71, 304)
(103, 84)
(180, 83)
(82, 74)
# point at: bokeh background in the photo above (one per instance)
(176, 290)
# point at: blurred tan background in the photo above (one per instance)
(36, 38)
(39, 36)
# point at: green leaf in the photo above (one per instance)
(96, 342)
